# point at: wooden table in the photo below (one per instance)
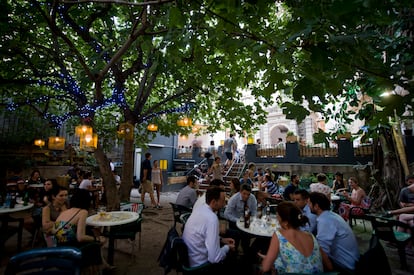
(108, 219)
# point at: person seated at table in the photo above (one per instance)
(87, 184)
(259, 175)
(339, 184)
(245, 179)
(321, 186)
(35, 178)
(235, 209)
(188, 195)
(292, 250)
(355, 199)
(406, 197)
(58, 203)
(201, 234)
(334, 234)
(301, 199)
(272, 189)
(291, 187)
(70, 230)
(234, 186)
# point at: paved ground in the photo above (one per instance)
(154, 229)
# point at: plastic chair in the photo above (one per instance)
(51, 260)
(183, 266)
(384, 229)
(365, 208)
(179, 210)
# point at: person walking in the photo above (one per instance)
(147, 187)
(157, 180)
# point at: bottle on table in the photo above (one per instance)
(259, 210)
(246, 217)
(26, 198)
(12, 200)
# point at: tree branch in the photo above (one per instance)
(148, 3)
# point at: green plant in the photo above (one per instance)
(290, 134)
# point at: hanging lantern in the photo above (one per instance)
(88, 142)
(83, 130)
(39, 142)
(185, 122)
(152, 127)
(56, 143)
(126, 131)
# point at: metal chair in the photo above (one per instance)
(365, 208)
(181, 249)
(50, 260)
(179, 210)
(384, 229)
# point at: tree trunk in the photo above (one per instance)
(127, 169)
(110, 190)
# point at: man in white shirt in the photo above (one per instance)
(201, 232)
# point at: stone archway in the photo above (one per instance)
(278, 131)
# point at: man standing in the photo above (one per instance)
(291, 188)
(146, 184)
(201, 232)
(334, 235)
(229, 148)
(301, 199)
(188, 195)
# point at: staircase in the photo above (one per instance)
(235, 171)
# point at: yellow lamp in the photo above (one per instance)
(83, 130)
(163, 164)
(88, 142)
(152, 127)
(126, 130)
(185, 122)
(39, 142)
(56, 143)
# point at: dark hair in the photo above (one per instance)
(321, 177)
(213, 193)
(216, 182)
(320, 199)
(268, 177)
(339, 174)
(216, 158)
(212, 142)
(293, 177)
(236, 184)
(33, 172)
(56, 189)
(303, 193)
(81, 199)
(289, 212)
(245, 187)
(409, 177)
(147, 155)
(191, 179)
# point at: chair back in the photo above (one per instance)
(383, 229)
(374, 260)
(49, 260)
(178, 210)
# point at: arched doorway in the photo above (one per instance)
(278, 131)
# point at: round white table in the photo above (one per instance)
(112, 218)
(17, 208)
(259, 227)
(109, 219)
(5, 214)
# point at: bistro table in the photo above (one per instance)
(259, 227)
(108, 219)
(6, 214)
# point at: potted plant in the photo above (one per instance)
(290, 137)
